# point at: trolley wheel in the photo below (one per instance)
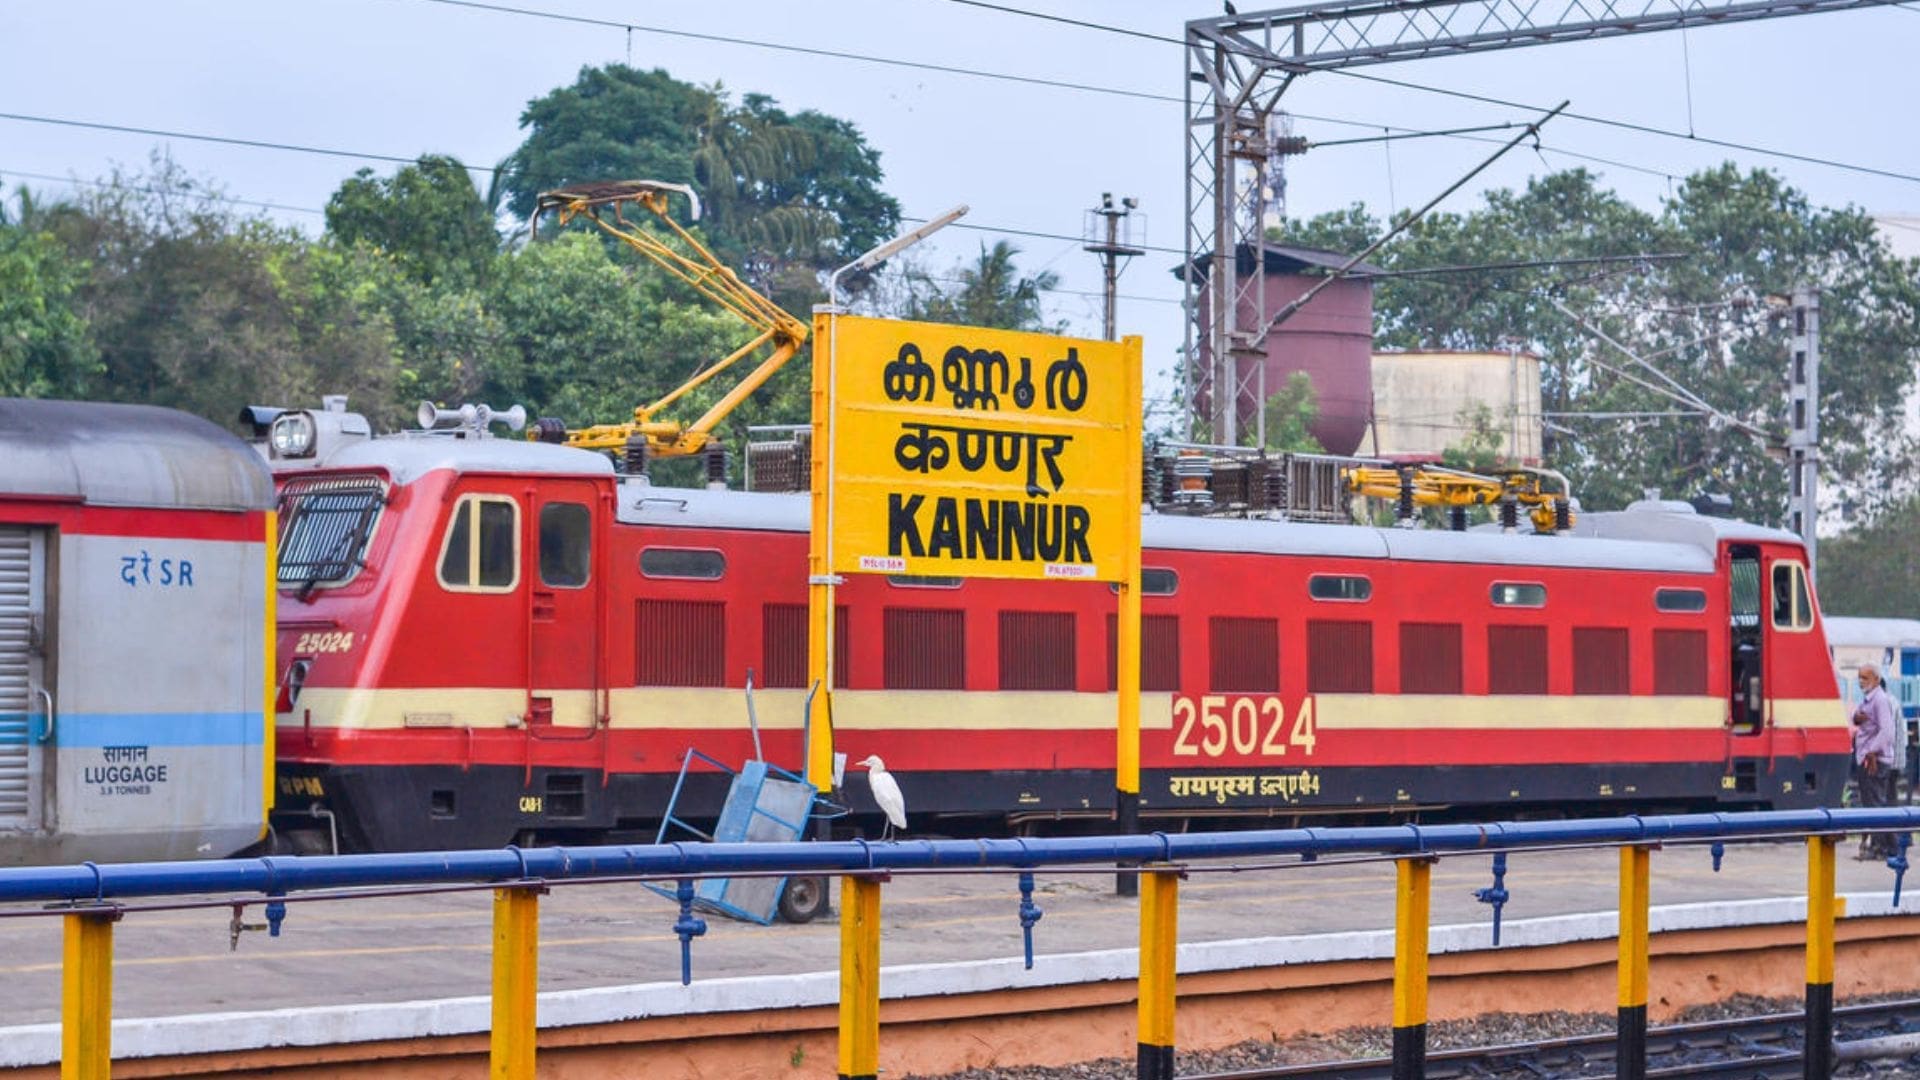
(803, 900)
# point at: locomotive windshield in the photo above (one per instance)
(325, 525)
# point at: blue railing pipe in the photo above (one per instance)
(290, 875)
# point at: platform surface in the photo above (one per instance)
(437, 946)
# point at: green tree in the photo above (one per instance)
(1290, 415)
(1874, 570)
(428, 217)
(1479, 449)
(787, 197)
(44, 348)
(581, 340)
(193, 307)
(1701, 320)
(989, 292)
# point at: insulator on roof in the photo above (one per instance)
(1193, 473)
(638, 452)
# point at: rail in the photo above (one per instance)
(95, 897)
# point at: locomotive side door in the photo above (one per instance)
(1746, 642)
(26, 697)
(565, 596)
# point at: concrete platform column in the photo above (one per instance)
(859, 978)
(1820, 907)
(1630, 1032)
(1159, 941)
(1410, 926)
(516, 981)
(86, 996)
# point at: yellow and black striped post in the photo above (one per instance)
(859, 978)
(1410, 922)
(1820, 907)
(516, 982)
(1630, 1036)
(1159, 942)
(86, 996)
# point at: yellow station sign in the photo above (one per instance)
(960, 451)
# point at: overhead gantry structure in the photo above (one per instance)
(1238, 66)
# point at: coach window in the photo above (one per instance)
(1154, 581)
(1339, 587)
(481, 552)
(698, 564)
(566, 544)
(1683, 600)
(1519, 594)
(1792, 607)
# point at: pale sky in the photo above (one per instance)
(403, 77)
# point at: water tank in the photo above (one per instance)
(1331, 339)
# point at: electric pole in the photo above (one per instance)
(1803, 417)
(1109, 233)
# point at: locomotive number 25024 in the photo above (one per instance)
(1243, 725)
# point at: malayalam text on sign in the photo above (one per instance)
(982, 453)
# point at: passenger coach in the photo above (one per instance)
(135, 652)
(486, 638)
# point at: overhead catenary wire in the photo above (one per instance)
(260, 144)
(211, 196)
(629, 27)
(1486, 99)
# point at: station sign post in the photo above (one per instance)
(959, 451)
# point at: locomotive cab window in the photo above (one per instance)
(1688, 600)
(1518, 594)
(481, 552)
(566, 545)
(326, 526)
(1339, 587)
(1792, 605)
(698, 564)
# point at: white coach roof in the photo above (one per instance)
(127, 455)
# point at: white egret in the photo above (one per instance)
(886, 792)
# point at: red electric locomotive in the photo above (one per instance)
(486, 639)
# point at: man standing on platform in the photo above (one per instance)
(1875, 769)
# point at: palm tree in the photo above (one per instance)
(991, 292)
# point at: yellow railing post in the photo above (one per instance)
(1630, 1032)
(1820, 908)
(859, 978)
(1159, 941)
(86, 996)
(1410, 923)
(516, 981)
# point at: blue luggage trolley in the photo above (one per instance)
(765, 803)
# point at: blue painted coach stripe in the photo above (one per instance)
(137, 729)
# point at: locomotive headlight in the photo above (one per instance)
(292, 435)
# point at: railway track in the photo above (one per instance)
(1746, 1047)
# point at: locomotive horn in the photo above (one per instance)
(515, 418)
(479, 417)
(431, 416)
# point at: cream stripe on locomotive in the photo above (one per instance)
(692, 708)
(1810, 713)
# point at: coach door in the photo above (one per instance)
(564, 616)
(1746, 640)
(26, 701)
